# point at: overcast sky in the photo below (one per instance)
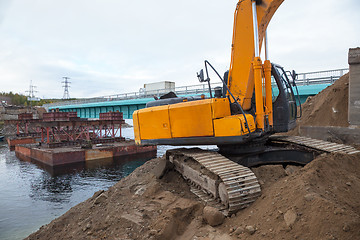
(115, 46)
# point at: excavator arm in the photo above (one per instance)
(241, 73)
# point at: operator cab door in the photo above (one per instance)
(284, 103)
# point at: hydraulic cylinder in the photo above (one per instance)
(268, 91)
(257, 64)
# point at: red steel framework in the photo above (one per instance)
(65, 128)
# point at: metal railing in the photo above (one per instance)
(320, 77)
(308, 78)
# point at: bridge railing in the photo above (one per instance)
(320, 77)
(308, 78)
(185, 90)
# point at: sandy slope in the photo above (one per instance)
(323, 200)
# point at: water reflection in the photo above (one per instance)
(33, 194)
(51, 189)
(105, 165)
(56, 183)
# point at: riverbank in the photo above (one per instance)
(306, 203)
(33, 195)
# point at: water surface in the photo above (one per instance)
(31, 196)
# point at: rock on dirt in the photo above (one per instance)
(309, 197)
(101, 198)
(213, 216)
(290, 218)
(161, 168)
(250, 229)
(239, 230)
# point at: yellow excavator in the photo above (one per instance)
(255, 101)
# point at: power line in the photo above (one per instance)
(31, 90)
(66, 87)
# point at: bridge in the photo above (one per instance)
(308, 84)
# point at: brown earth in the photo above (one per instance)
(322, 198)
(319, 201)
(328, 108)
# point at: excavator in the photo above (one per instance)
(238, 118)
(255, 101)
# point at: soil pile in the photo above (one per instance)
(327, 108)
(319, 201)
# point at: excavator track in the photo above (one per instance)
(316, 144)
(227, 185)
(215, 179)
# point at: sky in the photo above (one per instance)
(109, 47)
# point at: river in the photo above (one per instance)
(31, 196)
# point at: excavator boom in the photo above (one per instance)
(241, 77)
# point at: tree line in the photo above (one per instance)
(22, 100)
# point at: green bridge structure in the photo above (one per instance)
(308, 84)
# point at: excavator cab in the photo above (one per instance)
(284, 101)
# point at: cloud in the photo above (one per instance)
(115, 46)
(311, 35)
(4, 5)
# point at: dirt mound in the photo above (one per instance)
(327, 108)
(319, 201)
(138, 207)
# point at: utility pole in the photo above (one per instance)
(66, 87)
(31, 92)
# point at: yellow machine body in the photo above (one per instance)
(201, 118)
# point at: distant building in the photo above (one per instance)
(159, 87)
(5, 100)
